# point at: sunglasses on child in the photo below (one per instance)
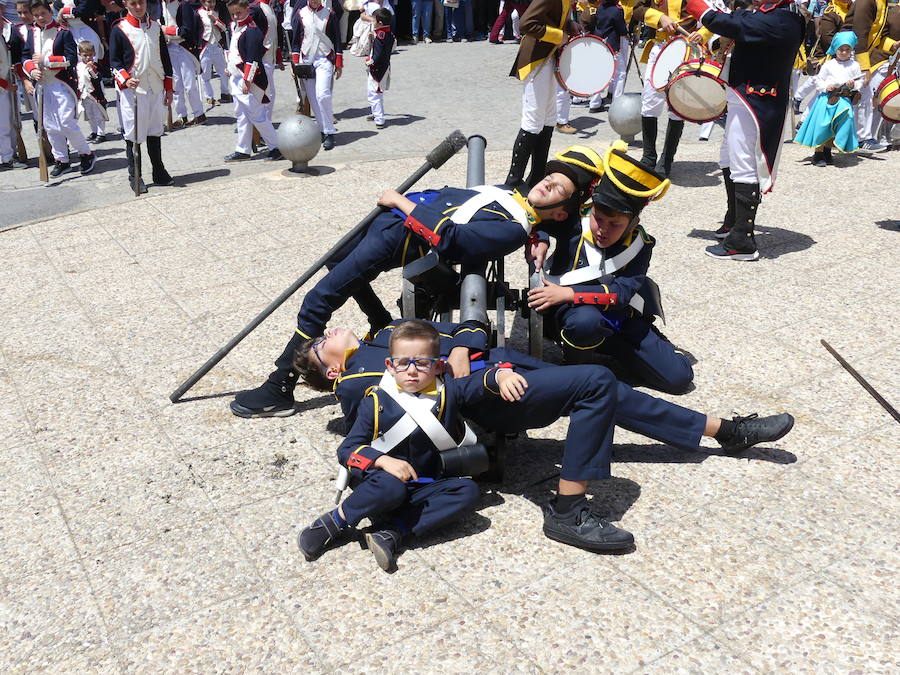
(402, 364)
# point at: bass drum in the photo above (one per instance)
(585, 65)
(888, 96)
(696, 91)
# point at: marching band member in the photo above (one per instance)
(544, 27)
(143, 73)
(766, 41)
(317, 43)
(91, 99)
(482, 225)
(607, 21)
(664, 16)
(868, 19)
(212, 55)
(49, 57)
(248, 84)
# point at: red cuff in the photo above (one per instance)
(357, 461)
(279, 57)
(595, 298)
(696, 8)
(167, 84)
(171, 31)
(3, 83)
(505, 364)
(29, 66)
(57, 62)
(295, 58)
(67, 12)
(418, 228)
(338, 60)
(122, 76)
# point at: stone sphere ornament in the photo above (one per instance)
(625, 116)
(299, 141)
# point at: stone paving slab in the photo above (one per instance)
(145, 536)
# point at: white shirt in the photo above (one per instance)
(835, 73)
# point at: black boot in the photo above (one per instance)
(522, 149)
(728, 221)
(673, 136)
(539, 156)
(648, 139)
(154, 151)
(129, 155)
(275, 397)
(740, 243)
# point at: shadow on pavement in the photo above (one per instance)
(891, 225)
(773, 242)
(348, 137)
(403, 120)
(353, 113)
(200, 176)
(695, 174)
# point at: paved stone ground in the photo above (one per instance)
(145, 536)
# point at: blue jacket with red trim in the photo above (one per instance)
(613, 294)
(382, 46)
(332, 31)
(64, 47)
(378, 412)
(251, 49)
(365, 366)
(190, 27)
(121, 54)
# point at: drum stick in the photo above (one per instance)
(892, 411)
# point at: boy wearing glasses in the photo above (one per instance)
(393, 449)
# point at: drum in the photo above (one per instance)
(585, 65)
(672, 54)
(696, 91)
(888, 96)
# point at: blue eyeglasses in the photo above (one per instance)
(422, 364)
(314, 348)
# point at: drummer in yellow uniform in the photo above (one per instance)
(665, 16)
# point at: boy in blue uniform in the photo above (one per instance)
(470, 227)
(393, 449)
(598, 292)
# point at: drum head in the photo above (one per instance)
(696, 97)
(586, 65)
(673, 54)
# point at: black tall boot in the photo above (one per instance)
(728, 221)
(740, 243)
(539, 156)
(275, 397)
(154, 151)
(648, 140)
(673, 136)
(129, 155)
(522, 150)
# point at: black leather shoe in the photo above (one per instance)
(753, 429)
(384, 544)
(315, 539)
(274, 155)
(585, 529)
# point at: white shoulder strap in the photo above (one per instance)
(598, 267)
(486, 195)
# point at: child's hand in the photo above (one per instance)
(398, 468)
(537, 252)
(512, 385)
(549, 295)
(459, 363)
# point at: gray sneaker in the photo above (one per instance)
(584, 529)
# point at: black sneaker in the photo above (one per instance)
(101, 138)
(87, 163)
(719, 251)
(818, 159)
(753, 429)
(328, 142)
(722, 232)
(268, 400)
(274, 155)
(59, 168)
(584, 529)
(13, 164)
(316, 538)
(237, 157)
(225, 98)
(384, 544)
(91, 138)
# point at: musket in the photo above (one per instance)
(42, 154)
(137, 149)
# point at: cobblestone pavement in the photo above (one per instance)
(145, 536)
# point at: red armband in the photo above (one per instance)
(595, 298)
(418, 228)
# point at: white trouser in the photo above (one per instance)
(738, 151)
(653, 101)
(795, 80)
(617, 84)
(514, 19)
(184, 80)
(95, 115)
(539, 98)
(318, 92)
(150, 114)
(563, 104)
(270, 90)
(60, 107)
(706, 129)
(805, 89)
(867, 115)
(376, 99)
(6, 131)
(249, 112)
(213, 56)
